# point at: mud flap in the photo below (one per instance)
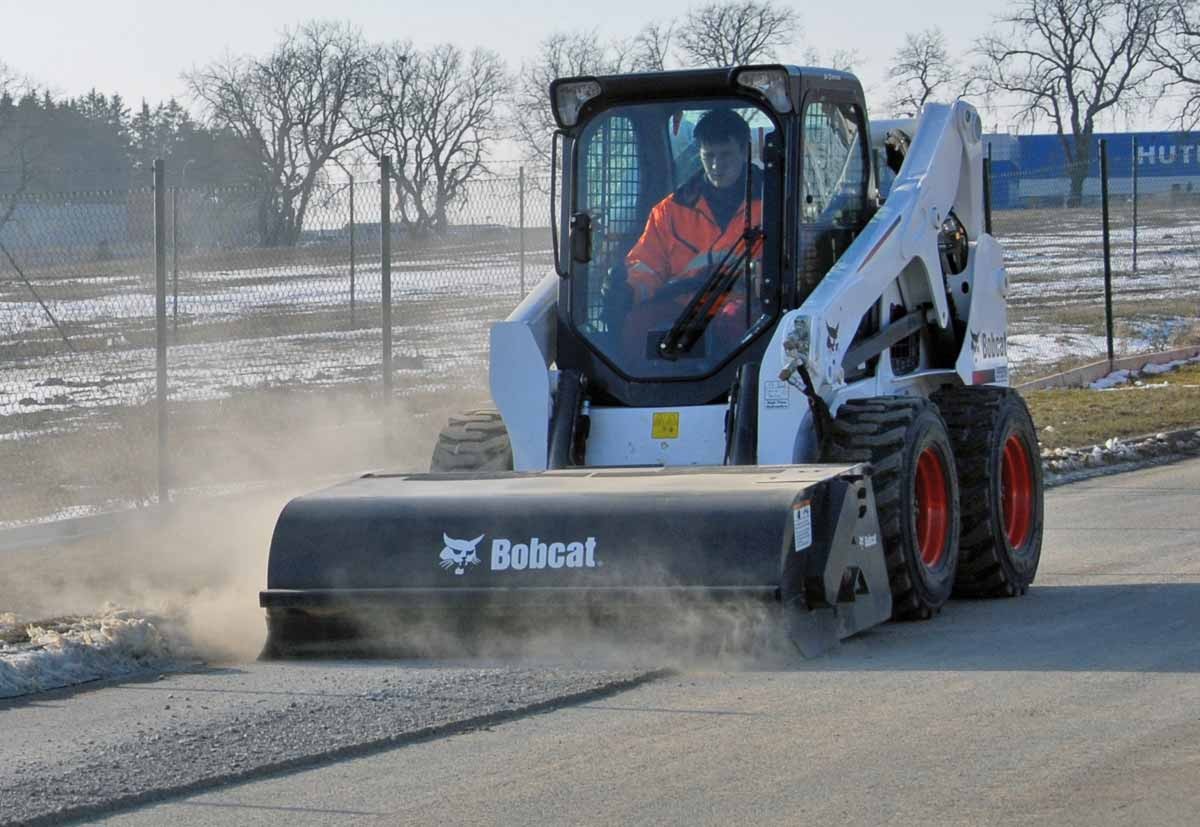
(838, 590)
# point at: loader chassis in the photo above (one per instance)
(768, 425)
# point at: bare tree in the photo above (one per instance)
(1176, 50)
(294, 106)
(17, 140)
(651, 47)
(1069, 61)
(735, 32)
(437, 113)
(923, 70)
(844, 60)
(562, 54)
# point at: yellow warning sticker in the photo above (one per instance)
(665, 425)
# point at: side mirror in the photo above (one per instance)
(581, 237)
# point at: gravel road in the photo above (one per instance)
(77, 753)
(1077, 704)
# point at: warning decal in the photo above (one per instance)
(802, 524)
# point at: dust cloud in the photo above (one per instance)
(196, 571)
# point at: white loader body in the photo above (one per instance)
(894, 260)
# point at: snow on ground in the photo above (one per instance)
(122, 375)
(37, 656)
(1119, 378)
(1168, 366)
(234, 294)
(1047, 348)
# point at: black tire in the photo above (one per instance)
(1001, 537)
(894, 433)
(474, 441)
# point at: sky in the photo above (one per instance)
(140, 49)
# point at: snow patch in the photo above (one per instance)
(1117, 377)
(1165, 368)
(1065, 461)
(37, 656)
(1047, 348)
(1122, 377)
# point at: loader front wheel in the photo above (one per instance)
(916, 494)
(474, 441)
(1000, 475)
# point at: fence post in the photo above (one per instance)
(1134, 162)
(351, 175)
(385, 230)
(175, 262)
(160, 319)
(521, 231)
(1108, 314)
(987, 190)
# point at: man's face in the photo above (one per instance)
(724, 162)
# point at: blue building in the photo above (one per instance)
(1031, 170)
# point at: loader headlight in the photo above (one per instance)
(569, 97)
(772, 84)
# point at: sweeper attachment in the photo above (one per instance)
(754, 374)
(579, 541)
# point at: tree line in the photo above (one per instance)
(324, 96)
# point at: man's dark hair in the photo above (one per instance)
(720, 125)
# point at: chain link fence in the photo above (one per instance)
(274, 357)
(1055, 257)
(275, 354)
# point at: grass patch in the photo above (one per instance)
(1082, 417)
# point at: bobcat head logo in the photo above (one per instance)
(458, 554)
(832, 336)
(975, 343)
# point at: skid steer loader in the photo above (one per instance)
(816, 417)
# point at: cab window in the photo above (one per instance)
(834, 172)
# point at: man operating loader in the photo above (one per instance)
(692, 231)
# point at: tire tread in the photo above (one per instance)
(973, 415)
(473, 441)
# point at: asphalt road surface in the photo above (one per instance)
(1077, 704)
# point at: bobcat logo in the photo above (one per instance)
(458, 554)
(988, 346)
(831, 340)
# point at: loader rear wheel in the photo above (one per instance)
(1000, 476)
(916, 494)
(474, 441)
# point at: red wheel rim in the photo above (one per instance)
(933, 508)
(1016, 491)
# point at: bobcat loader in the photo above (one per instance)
(843, 444)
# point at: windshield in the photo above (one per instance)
(680, 264)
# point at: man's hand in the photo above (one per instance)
(615, 293)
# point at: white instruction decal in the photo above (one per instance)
(775, 394)
(802, 524)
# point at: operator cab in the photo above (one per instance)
(675, 270)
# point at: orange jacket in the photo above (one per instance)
(682, 239)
